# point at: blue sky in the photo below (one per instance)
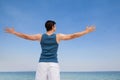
(97, 51)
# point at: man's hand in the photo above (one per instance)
(90, 29)
(10, 30)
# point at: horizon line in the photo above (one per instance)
(69, 71)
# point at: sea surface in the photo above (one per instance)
(114, 75)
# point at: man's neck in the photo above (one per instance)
(50, 32)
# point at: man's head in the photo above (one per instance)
(50, 25)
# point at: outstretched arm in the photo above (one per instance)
(35, 37)
(76, 35)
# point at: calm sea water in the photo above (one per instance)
(64, 75)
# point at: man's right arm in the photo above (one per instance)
(76, 35)
(35, 37)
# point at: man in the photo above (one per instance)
(48, 67)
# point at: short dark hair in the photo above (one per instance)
(49, 24)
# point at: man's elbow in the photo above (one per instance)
(28, 38)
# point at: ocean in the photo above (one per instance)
(110, 75)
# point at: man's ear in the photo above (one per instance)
(53, 27)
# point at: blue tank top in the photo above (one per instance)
(49, 48)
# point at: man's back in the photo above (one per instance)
(49, 47)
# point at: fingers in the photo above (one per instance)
(91, 28)
(8, 30)
(87, 27)
(94, 27)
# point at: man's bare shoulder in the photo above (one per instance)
(58, 37)
(38, 34)
(60, 34)
(37, 37)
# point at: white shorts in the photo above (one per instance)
(48, 71)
